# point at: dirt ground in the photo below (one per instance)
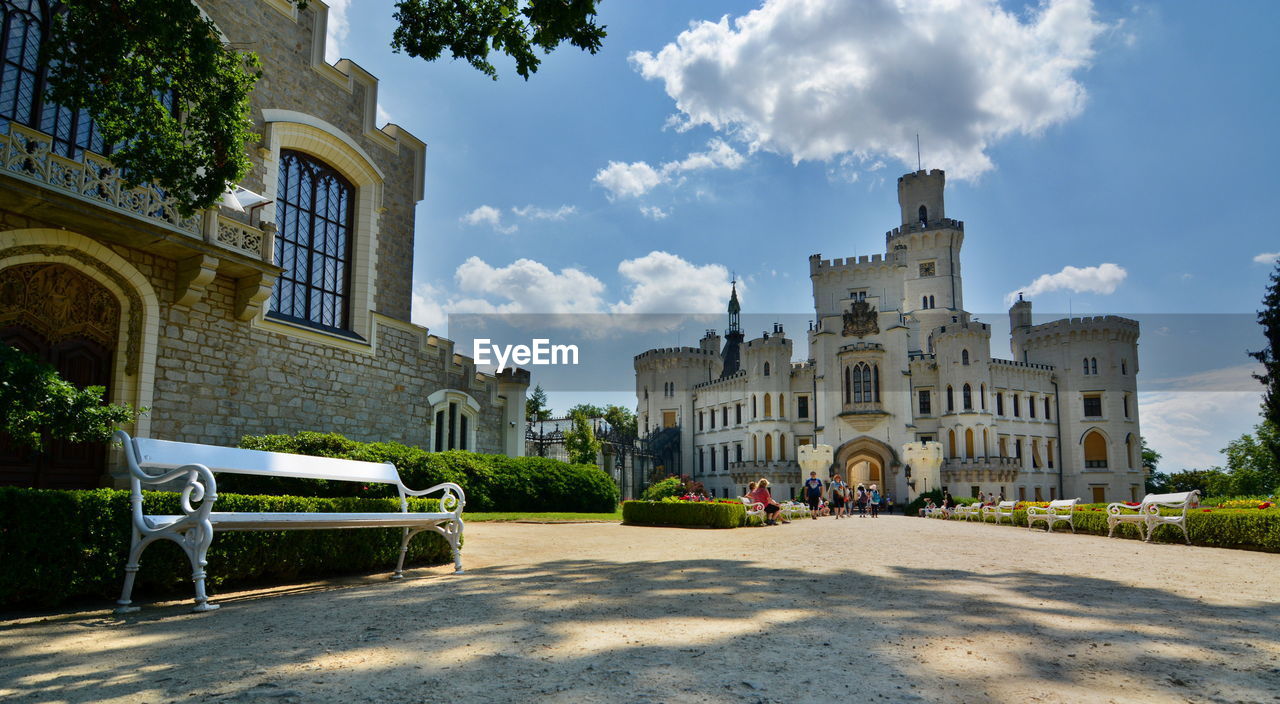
(889, 609)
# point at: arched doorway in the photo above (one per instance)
(868, 461)
(68, 320)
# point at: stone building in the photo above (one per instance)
(894, 358)
(254, 317)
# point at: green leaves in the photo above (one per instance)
(580, 440)
(37, 404)
(469, 29)
(161, 85)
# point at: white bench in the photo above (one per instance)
(1004, 509)
(1058, 510)
(1147, 514)
(968, 511)
(154, 462)
(754, 508)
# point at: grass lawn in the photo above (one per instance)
(616, 516)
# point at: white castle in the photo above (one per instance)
(897, 361)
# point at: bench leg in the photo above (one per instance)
(196, 544)
(137, 545)
(404, 550)
(455, 536)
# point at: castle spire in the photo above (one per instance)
(735, 309)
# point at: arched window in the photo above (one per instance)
(951, 400)
(1124, 366)
(964, 356)
(782, 447)
(782, 405)
(924, 301)
(931, 303)
(875, 383)
(951, 437)
(754, 414)
(24, 24)
(924, 215)
(1128, 451)
(1093, 366)
(968, 443)
(1095, 450)
(768, 406)
(1086, 365)
(982, 396)
(315, 207)
(768, 444)
(766, 369)
(864, 386)
(966, 397)
(755, 449)
(848, 398)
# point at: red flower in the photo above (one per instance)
(1265, 505)
(1134, 504)
(1207, 510)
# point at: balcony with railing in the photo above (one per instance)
(967, 469)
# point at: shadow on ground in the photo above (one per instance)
(674, 630)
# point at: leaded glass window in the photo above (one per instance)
(315, 207)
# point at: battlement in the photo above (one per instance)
(867, 261)
(768, 339)
(1023, 365)
(916, 227)
(740, 374)
(921, 357)
(907, 179)
(972, 327)
(862, 347)
(670, 352)
(1097, 323)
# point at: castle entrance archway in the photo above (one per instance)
(867, 461)
(67, 320)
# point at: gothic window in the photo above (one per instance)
(999, 404)
(1086, 365)
(924, 301)
(768, 406)
(875, 371)
(315, 207)
(966, 397)
(1031, 405)
(724, 454)
(753, 407)
(738, 452)
(1095, 450)
(702, 460)
(964, 357)
(1126, 405)
(1093, 365)
(455, 415)
(700, 417)
(1017, 406)
(766, 369)
(1124, 366)
(847, 397)
(724, 416)
(713, 459)
(951, 400)
(931, 303)
(982, 396)
(737, 414)
(924, 214)
(926, 403)
(802, 406)
(1046, 408)
(863, 389)
(782, 405)
(712, 413)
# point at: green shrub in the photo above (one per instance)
(1248, 529)
(917, 503)
(58, 545)
(659, 490)
(491, 482)
(684, 513)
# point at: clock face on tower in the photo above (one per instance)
(927, 269)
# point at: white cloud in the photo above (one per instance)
(487, 215)
(428, 307)
(628, 180)
(336, 30)
(662, 283)
(1102, 279)
(384, 117)
(653, 212)
(525, 286)
(1267, 258)
(1189, 419)
(532, 212)
(637, 178)
(816, 79)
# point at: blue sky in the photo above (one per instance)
(1131, 141)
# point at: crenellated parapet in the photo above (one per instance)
(1101, 327)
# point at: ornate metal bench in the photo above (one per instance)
(968, 511)
(1059, 510)
(1147, 515)
(754, 508)
(153, 462)
(1004, 509)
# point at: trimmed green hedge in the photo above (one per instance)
(59, 545)
(684, 513)
(492, 482)
(1248, 529)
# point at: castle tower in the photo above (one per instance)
(731, 359)
(920, 196)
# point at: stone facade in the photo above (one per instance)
(896, 359)
(198, 344)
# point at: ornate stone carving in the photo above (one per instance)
(861, 320)
(58, 302)
(133, 342)
(194, 275)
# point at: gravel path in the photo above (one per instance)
(889, 609)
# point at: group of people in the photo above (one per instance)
(837, 495)
(823, 498)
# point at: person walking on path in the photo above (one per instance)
(839, 495)
(813, 493)
(875, 501)
(861, 499)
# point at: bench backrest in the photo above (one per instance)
(1179, 499)
(1063, 503)
(166, 454)
(1008, 504)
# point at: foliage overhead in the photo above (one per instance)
(122, 59)
(470, 29)
(36, 404)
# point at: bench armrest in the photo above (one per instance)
(200, 485)
(451, 501)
